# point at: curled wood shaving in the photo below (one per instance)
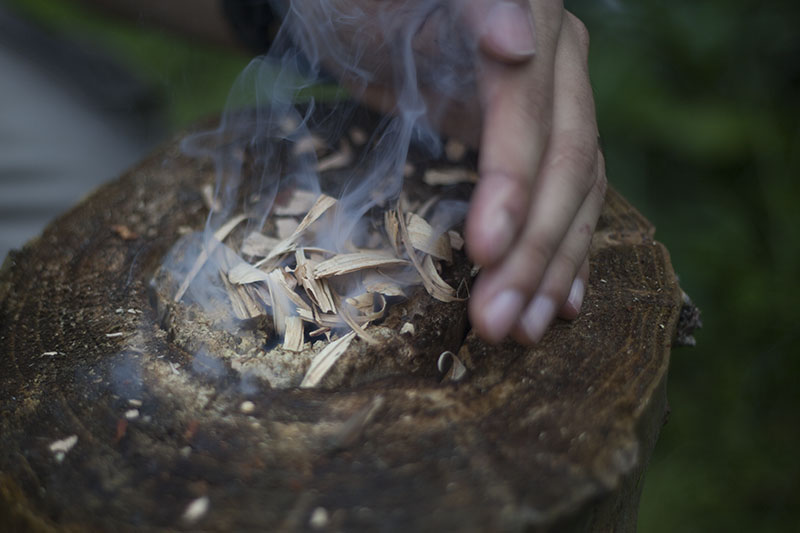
(218, 237)
(435, 286)
(350, 320)
(124, 232)
(424, 239)
(453, 372)
(348, 263)
(325, 359)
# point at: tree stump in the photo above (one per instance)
(102, 433)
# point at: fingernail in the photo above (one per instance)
(537, 317)
(510, 27)
(501, 313)
(576, 293)
(498, 231)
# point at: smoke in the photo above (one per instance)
(414, 60)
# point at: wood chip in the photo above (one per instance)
(348, 263)
(63, 445)
(374, 281)
(124, 232)
(336, 160)
(449, 176)
(318, 290)
(408, 327)
(293, 339)
(454, 150)
(196, 510)
(309, 144)
(425, 240)
(456, 240)
(392, 227)
(325, 360)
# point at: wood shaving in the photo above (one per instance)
(456, 240)
(293, 339)
(450, 176)
(424, 239)
(124, 232)
(455, 371)
(325, 359)
(347, 263)
(219, 236)
(297, 284)
(258, 245)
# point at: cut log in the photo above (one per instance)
(547, 438)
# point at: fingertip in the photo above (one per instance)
(572, 307)
(509, 34)
(537, 317)
(494, 319)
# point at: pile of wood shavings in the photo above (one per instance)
(298, 285)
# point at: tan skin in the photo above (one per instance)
(542, 175)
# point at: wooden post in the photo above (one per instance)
(107, 423)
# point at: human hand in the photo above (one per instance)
(542, 180)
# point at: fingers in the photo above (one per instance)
(517, 102)
(577, 290)
(563, 285)
(533, 280)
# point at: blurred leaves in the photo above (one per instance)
(192, 76)
(700, 122)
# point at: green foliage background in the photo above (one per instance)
(700, 121)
